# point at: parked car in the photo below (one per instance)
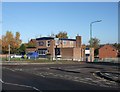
(15, 56)
(32, 55)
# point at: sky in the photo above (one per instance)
(43, 18)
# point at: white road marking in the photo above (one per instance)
(20, 85)
(1, 81)
(9, 69)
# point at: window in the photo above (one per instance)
(64, 42)
(48, 43)
(41, 43)
(42, 51)
(71, 42)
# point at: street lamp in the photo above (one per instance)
(91, 37)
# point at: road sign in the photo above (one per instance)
(87, 51)
(56, 41)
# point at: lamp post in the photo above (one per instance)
(91, 38)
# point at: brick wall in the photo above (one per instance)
(107, 51)
(78, 41)
(77, 53)
(31, 49)
(67, 53)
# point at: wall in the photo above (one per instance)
(92, 56)
(107, 51)
(68, 44)
(31, 49)
(42, 46)
(77, 54)
(78, 41)
(67, 53)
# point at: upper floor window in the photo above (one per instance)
(64, 42)
(71, 42)
(41, 43)
(48, 44)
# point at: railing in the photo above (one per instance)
(112, 60)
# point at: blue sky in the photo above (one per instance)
(35, 19)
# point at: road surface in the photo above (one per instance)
(43, 77)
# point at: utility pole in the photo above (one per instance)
(9, 51)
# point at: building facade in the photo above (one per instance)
(108, 51)
(61, 48)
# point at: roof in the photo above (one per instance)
(33, 40)
(51, 38)
(67, 39)
(45, 38)
(30, 47)
(109, 45)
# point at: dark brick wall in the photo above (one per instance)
(107, 51)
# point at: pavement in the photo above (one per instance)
(42, 77)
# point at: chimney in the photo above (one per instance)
(78, 41)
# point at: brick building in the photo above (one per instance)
(108, 51)
(31, 46)
(63, 48)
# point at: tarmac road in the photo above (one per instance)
(34, 77)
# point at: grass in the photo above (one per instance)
(40, 61)
(12, 59)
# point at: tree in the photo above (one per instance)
(6, 40)
(62, 34)
(95, 44)
(0, 46)
(17, 40)
(22, 49)
(117, 45)
(0, 42)
(9, 39)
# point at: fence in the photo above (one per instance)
(112, 60)
(66, 58)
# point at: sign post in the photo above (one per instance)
(87, 53)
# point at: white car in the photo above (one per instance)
(16, 56)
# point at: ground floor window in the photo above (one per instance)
(42, 51)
